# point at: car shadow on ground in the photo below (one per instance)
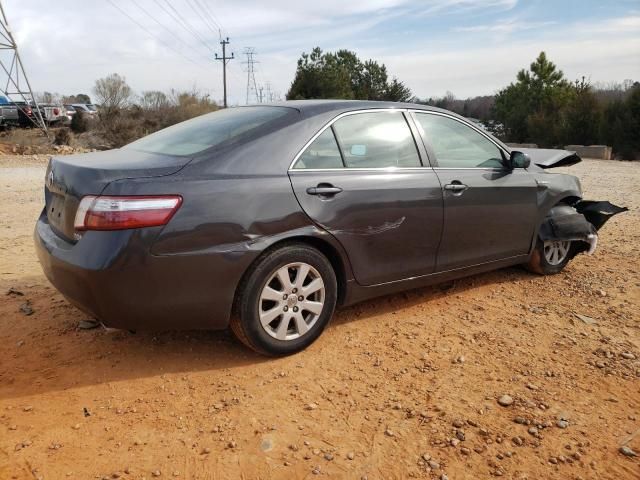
(45, 351)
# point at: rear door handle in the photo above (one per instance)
(328, 191)
(456, 187)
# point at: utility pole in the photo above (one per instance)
(251, 74)
(14, 69)
(224, 59)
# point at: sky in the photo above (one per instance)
(467, 47)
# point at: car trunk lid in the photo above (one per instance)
(70, 178)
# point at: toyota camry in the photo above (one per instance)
(265, 218)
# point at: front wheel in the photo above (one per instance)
(550, 256)
(285, 301)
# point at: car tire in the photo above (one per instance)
(544, 262)
(276, 319)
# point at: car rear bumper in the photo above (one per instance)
(114, 277)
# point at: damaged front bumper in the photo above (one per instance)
(578, 223)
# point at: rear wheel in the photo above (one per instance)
(550, 256)
(285, 301)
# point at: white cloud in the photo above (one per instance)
(68, 45)
(505, 26)
(464, 6)
(484, 67)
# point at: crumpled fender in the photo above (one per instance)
(578, 223)
(563, 222)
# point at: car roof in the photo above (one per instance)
(315, 107)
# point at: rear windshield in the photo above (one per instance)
(201, 133)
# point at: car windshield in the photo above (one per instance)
(206, 131)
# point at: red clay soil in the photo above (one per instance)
(405, 386)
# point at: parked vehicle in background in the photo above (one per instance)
(8, 112)
(26, 116)
(69, 111)
(53, 113)
(87, 109)
(23, 114)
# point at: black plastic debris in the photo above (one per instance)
(598, 212)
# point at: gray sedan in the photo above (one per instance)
(265, 218)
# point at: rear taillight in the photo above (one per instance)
(56, 111)
(120, 213)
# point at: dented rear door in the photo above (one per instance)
(378, 201)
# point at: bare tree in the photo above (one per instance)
(154, 100)
(79, 98)
(48, 97)
(112, 92)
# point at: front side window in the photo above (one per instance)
(376, 140)
(322, 153)
(457, 145)
(206, 131)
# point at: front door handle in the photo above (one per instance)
(456, 187)
(324, 190)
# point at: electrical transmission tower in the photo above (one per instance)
(224, 59)
(17, 81)
(269, 95)
(251, 73)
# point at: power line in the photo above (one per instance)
(210, 14)
(152, 34)
(166, 28)
(183, 22)
(203, 17)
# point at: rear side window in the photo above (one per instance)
(376, 140)
(206, 131)
(322, 153)
(457, 145)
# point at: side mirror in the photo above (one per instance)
(518, 160)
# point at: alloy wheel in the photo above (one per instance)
(555, 252)
(291, 301)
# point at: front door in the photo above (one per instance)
(490, 212)
(362, 180)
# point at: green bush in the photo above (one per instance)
(79, 122)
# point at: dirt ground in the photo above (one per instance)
(404, 386)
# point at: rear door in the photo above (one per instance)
(489, 212)
(362, 179)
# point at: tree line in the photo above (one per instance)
(541, 106)
(343, 75)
